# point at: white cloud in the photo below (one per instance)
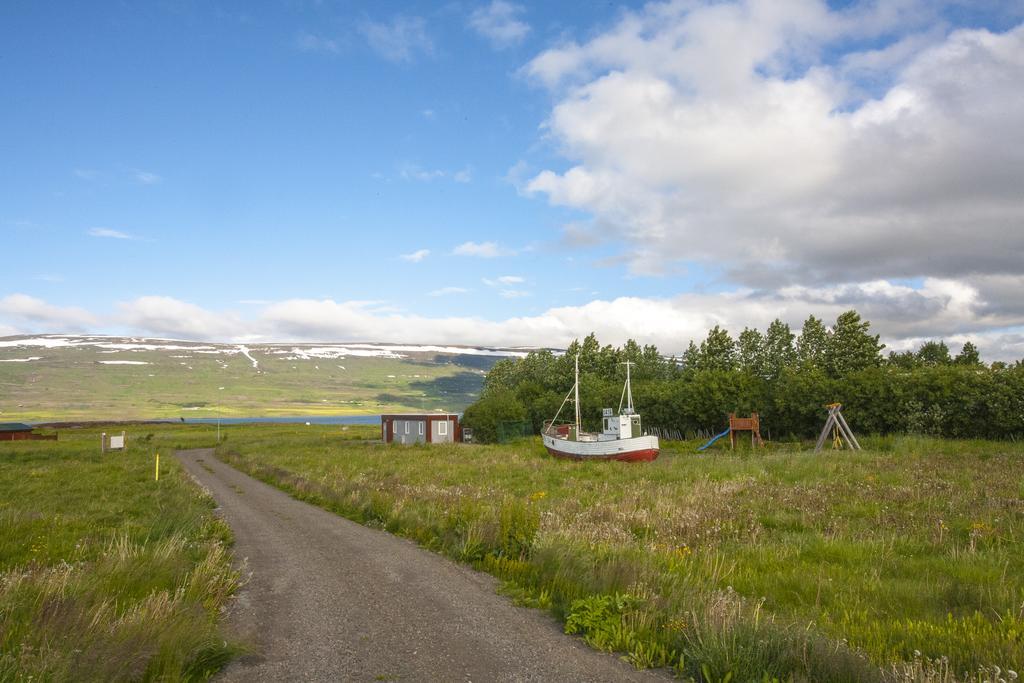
(310, 42)
(164, 315)
(499, 22)
(147, 177)
(987, 311)
(86, 173)
(400, 39)
(938, 309)
(504, 282)
(409, 171)
(728, 132)
(24, 313)
(479, 249)
(111, 234)
(416, 256)
(445, 291)
(414, 172)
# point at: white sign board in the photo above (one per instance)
(113, 442)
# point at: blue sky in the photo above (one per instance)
(509, 173)
(267, 152)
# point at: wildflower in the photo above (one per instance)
(677, 625)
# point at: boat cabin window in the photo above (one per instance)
(636, 425)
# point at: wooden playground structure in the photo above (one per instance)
(835, 426)
(750, 424)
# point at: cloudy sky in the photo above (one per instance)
(510, 173)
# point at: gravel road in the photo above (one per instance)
(331, 600)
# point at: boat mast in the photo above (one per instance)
(627, 391)
(576, 387)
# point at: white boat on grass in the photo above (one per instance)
(621, 438)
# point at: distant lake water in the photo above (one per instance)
(312, 419)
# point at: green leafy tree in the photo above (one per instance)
(691, 358)
(850, 347)
(779, 351)
(968, 355)
(812, 343)
(904, 360)
(922, 391)
(751, 351)
(934, 353)
(494, 407)
(505, 374)
(718, 351)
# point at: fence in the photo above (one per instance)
(678, 435)
(508, 430)
(26, 436)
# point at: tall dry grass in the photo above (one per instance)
(900, 563)
(105, 574)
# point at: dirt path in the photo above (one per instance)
(332, 600)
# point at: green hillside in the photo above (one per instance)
(67, 378)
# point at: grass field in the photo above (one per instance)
(106, 574)
(95, 382)
(903, 562)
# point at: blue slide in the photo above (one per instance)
(714, 439)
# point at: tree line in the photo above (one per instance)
(786, 377)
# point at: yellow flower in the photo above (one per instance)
(676, 625)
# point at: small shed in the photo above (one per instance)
(17, 431)
(412, 428)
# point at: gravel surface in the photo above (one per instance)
(331, 600)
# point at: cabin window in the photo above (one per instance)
(442, 428)
(394, 427)
(421, 429)
(406, 426)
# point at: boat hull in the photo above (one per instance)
(637, 449)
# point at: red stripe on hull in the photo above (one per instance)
(645, 455)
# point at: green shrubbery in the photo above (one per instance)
(486, 416)
(786, 378)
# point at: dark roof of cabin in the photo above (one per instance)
(14, 427)
(416, 416)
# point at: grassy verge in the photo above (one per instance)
(106, 574)
(904, 562)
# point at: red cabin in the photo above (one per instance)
(421, 428)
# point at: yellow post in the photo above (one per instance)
(157, 477)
